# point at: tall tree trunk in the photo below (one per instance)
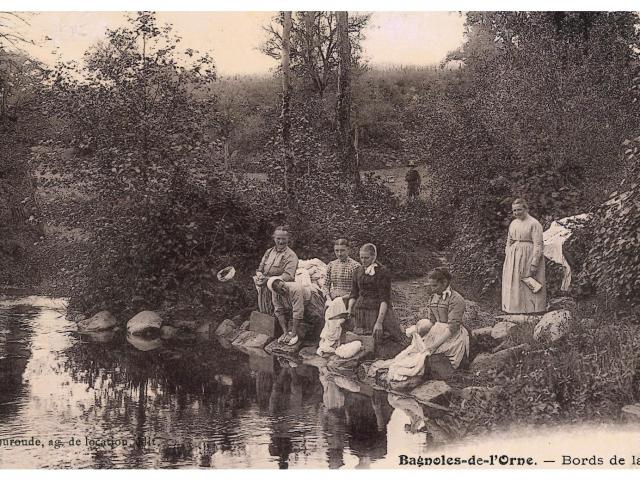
(286, 110)
(346, 152)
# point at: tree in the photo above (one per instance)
(285, 116)
(314, 54)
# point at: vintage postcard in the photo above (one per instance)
(319, 240)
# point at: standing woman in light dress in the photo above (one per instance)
(523, 258)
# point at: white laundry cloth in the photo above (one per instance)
(554, 238)
(334, 317)
(349, 350)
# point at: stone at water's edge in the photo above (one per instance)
(493, 361)
(168, 332)
(245, 325)
(553, 326)
(433, 391)
(337, 363)
(501, 330)
(439, 367)
(249, 339)
(225, 328)
(276, 347)
(144, 344)
(144, 322)
(103, 320)
(262, 323)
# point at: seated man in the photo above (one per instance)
(303, 305)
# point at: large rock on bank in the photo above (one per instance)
(144, 323)
(103, 320)
(553, 326)
(494, 361)
(433, 391)
(249, 339)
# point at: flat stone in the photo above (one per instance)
(366, 340)
(276, 347)
(103, 320)
(168, 332)
(262, 323)
(501, 329)
(433, 391)
(144, 322)
(493, 361)
(250, 339)
(245, 325)
(482, 332)
(337, 363)
(553, 326)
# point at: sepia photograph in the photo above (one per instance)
(319, 239)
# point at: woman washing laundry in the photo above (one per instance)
(370, 311)
(441, 332)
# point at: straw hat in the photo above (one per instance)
(226, 274)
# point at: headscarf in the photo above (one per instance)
(371, 269)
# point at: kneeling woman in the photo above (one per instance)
(370, 310)
(442, 330)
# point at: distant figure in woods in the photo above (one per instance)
(340, 272)
(523, 258)
(279, 261)
(413, 181)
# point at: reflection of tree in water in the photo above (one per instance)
(176, 394)
(16, 332)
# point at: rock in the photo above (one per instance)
(275, 347)
(103, 320)
(144, 322)
(553, 326)
(631, 413)
(433, 391)
(245, 325)
(226, 328)
(480, 393)
(520, 318)
(482, 333)
(249, 339)
(501, 330)
(366, 340)
(493, 361)
(563, 303)
(337, 363)
(400, 385)
(262, 323)
(521, 333)
(168, 332)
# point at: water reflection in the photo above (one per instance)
(112, 401)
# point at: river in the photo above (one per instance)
(68, 401)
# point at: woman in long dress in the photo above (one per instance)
(523, 258)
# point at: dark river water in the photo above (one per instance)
(67, 401)
(104, 402)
